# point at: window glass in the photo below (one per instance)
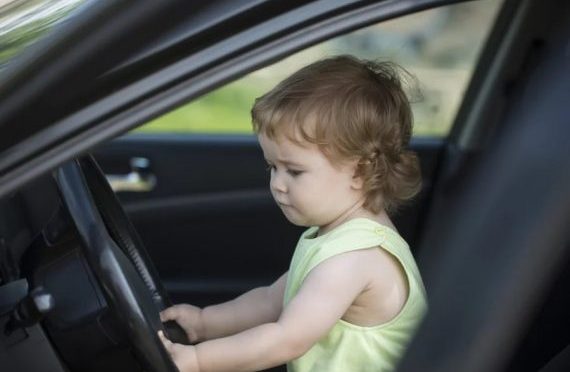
(24, 22)
(438, 46)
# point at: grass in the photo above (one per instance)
(226, 110)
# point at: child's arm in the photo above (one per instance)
(255, 307)
(324, 297)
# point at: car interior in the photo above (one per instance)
(105, 220)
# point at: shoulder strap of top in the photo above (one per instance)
(360, 234)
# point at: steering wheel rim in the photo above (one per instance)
(121, 229)
(127, 293)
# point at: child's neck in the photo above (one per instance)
(359, 212)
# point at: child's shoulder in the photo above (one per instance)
(364, 245)
(361, 243)
(373, 261)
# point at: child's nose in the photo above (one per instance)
(277, 183)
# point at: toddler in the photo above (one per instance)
(334, 135)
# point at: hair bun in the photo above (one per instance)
(403, 178)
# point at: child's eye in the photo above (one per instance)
(294, 173)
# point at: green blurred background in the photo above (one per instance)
(438, 46)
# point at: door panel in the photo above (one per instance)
(210, 224)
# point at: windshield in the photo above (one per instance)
(24, 22)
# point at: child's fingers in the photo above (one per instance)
(163, 317)
(170, 313)
(168, 345)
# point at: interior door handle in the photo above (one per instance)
(139, 179)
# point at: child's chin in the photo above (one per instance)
(295, 220)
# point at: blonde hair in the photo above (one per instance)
(352, 110)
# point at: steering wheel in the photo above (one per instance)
(119, 260)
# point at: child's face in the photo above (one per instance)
(306, 186)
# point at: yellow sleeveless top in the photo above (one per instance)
(349, 347)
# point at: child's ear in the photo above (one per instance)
(357, 181)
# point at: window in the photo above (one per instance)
(439, 46)
(24, 22)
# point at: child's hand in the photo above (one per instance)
(188, 317)
(184, 356)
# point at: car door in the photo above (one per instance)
(194, 181)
